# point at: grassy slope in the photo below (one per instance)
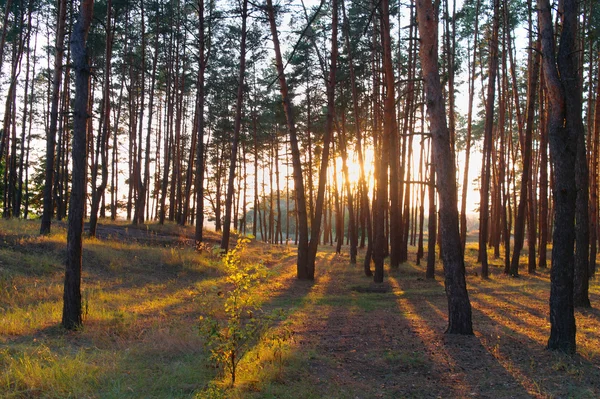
(143, 297)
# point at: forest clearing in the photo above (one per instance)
(145, 289)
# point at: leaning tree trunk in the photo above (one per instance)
(563, 150)
(71, 318)
(459, 306)
(302, 263)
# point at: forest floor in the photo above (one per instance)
(145, 289)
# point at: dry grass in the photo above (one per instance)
(143, 297)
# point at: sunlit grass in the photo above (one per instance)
(348, 337)
(37, 370)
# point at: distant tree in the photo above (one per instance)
(236, 131)
(484, 209)
(103, 138)
(48, 209)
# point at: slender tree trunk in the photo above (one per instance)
(527, 161)
(543, 216)
(459, 306)
(432, 224)
(390, 141)
(5, 29)
(48, 209)
(71, 317)
(569, 66)
(103, 140)
(352, 228)
(362, 186)
(199, 179)
(316, 221)
(487, 142)
(594, 188)
(236, 131)
(465, 185)
(26, 101)
(303, 271)
(380, 203)
(144, 182)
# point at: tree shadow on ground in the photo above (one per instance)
(508, 336)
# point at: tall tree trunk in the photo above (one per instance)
(140, 201)
(527, 142)
(352, 228)
(563, 146)
(26, 102)
(568, 63)
(487, 142)
(362, 186)
(5, 29)
(236, 131)
(48, 209)
(199, 179)
(71, 317)
(145, 181)
(459, 306)
(302, 270)
(543, 216)
(465, 185)
(380, 246)
(103, 140)
(594, 188)
(316, 221)
(432, 223)
(390, 140)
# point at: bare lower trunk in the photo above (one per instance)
(563, 146)
(302, 236)
(71, 317)
(459, 306)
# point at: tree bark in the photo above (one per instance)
(487, 142)
(302, 268)
(391, 146)
(563, 146)
(236, 132)
(527, 142)
(103, 145)
(362, 186)
(71, 317)
(319, 204)
(199, 178)
(465, 186)
(48, 209)
(459, 306)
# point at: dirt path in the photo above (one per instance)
(358, 342)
